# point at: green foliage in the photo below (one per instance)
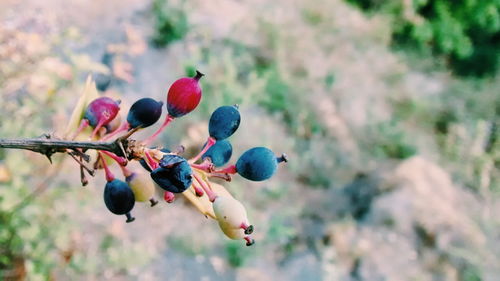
(470, 273)
(170, 23)
(186, 245)
(388, 140)
(466, 33)
(236, 254)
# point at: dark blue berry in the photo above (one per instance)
(224, 121)
(257, 164)
(143, 162)
(102, 80)
(174, 174)
(118, 197)
(144, 112)
(219, 153)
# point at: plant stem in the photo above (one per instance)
(47, 145)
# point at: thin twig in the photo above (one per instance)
(50, 145)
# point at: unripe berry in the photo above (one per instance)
(184, 95)
(230, 212)
(142, 186)
(101, 111)
(232, 218)
(232, 233)
(114, 124)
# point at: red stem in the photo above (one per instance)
(126, 172)
(210, 142)
(109, 175)
(249, 240)
(248, 228)
(96, 129)
(211, 195)
(149, 159)
(228, 170)
(153, 137)
(120, 160)
(83, 124)
(125, 126)
(206, 166)
(197, 190)
(225, 177)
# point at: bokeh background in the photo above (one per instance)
(389, 111)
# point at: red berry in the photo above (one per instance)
(184, 95)
(102, 111)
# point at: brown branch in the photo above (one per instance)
(48, 145)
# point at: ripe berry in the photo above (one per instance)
(258, 164)
(102, 80)
(100, 112)
(219, 153)
(224, 121)
(184, 95)
(174, 174)
(144, 112)
(119, 198)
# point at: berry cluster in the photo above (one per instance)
(167, 169)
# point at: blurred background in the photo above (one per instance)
(389, 111)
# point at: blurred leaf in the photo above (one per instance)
(202, 204)
(89, 93)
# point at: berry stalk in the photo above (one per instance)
(109, 175)
(205, 166)
(150, 161)
(228, 170)
(123, 127)
(211, 195)
(83, 124)
(120, 160)
(153, 137)
(197, 190)
(210, 142)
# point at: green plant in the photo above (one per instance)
(466, 33)
(386, 139)
(170, 23)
